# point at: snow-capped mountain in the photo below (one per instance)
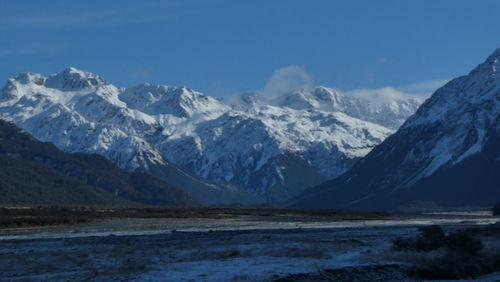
(447, 153)
(259, 144)
(388, 112)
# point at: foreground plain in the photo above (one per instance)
(220, 244)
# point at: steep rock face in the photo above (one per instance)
(448, 153)
(238, 142)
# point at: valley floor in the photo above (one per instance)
(243, 248)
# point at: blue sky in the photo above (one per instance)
(222, 47)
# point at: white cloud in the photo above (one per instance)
(424, 88)
(293, 78)
(287, 79)
(381, 95)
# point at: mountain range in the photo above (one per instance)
(246, 149)
(446, 154)
(154, 144)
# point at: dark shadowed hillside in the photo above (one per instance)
(447, 154)
(34, 172)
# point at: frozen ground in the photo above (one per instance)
(241, 249)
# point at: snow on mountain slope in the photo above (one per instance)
(244, 141)
(86, 115)
(165, 100)
(236, 145)
(446, 153)
(80, 116)
(388, 112)
(464, 109)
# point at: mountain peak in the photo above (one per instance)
(74, 79)
(495, 54)
(321, 88)
(489, 68)
(73, 70)
(494, 60)
(161, 99)
(30, 77)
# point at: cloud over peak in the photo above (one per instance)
(287, 79)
